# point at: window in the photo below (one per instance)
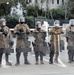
(42, 1)
(35, 1)
(63, 2)
(29, 1)
(52, 1)
(57, 1)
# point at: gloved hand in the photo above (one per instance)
(33, 43)
(67, 39)
(49, 44)
(4, 33)
(20, 30)
(27, 32)
(17, 33)
(1, 30)
(12, 43)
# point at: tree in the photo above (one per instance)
(31, 11)
(4, 9)
(48, 9)
(72, 9)
(68, 9)
(57, 13)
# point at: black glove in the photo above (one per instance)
(27, 32)
(17, 33)
(1, 30)
(4, 33)
(20, 30)
(12, 43)
(67, 39)
(33, 43)
(49, 44)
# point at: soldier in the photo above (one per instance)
(54, 41)
(39, 42)
(21, 43)
(70, 40)
(4, 33)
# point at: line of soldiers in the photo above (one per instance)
(40, 46)
(70, 40)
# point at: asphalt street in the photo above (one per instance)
(61, 68)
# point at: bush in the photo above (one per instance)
(31, 11)
(57, 13)
(5, 9)
(13, 21)
(30, 21)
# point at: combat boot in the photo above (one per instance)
(7, 60)
(70, 62)
(8, 63)
(50, 62)
(17, 64)
(27, 62)
(41, 62)
(36, 63)
(0, 64)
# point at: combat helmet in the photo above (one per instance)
(57, 23)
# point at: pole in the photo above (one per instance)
(7, 3)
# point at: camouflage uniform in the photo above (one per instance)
(20, 40)
(39, 42)
(70, 41)
(4, 44)
(55, 35)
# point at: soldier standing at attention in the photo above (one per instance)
(39, 42)
(4, 32)
(70, 40)
(54, 43)
(21, 27)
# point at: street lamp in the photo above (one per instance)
(7, 3)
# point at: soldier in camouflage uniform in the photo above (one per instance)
(55, 35)
(70, 40)
(39, 42)
(21, 43)
(4, 33)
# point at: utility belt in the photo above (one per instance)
(6, 50)
(26, 49)
(9, 50)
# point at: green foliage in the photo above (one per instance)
(41, 17)
(12, 21)
(29, 17)
(58, 13)
(4, 9)
(31, 11)
(30, 22)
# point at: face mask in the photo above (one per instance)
(4, 23)
(21, 22)
(56, 24)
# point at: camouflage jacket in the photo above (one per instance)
(21, 41)
(39, 38)
(70, 37)
(4, 34)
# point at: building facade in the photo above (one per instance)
(50, 4)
